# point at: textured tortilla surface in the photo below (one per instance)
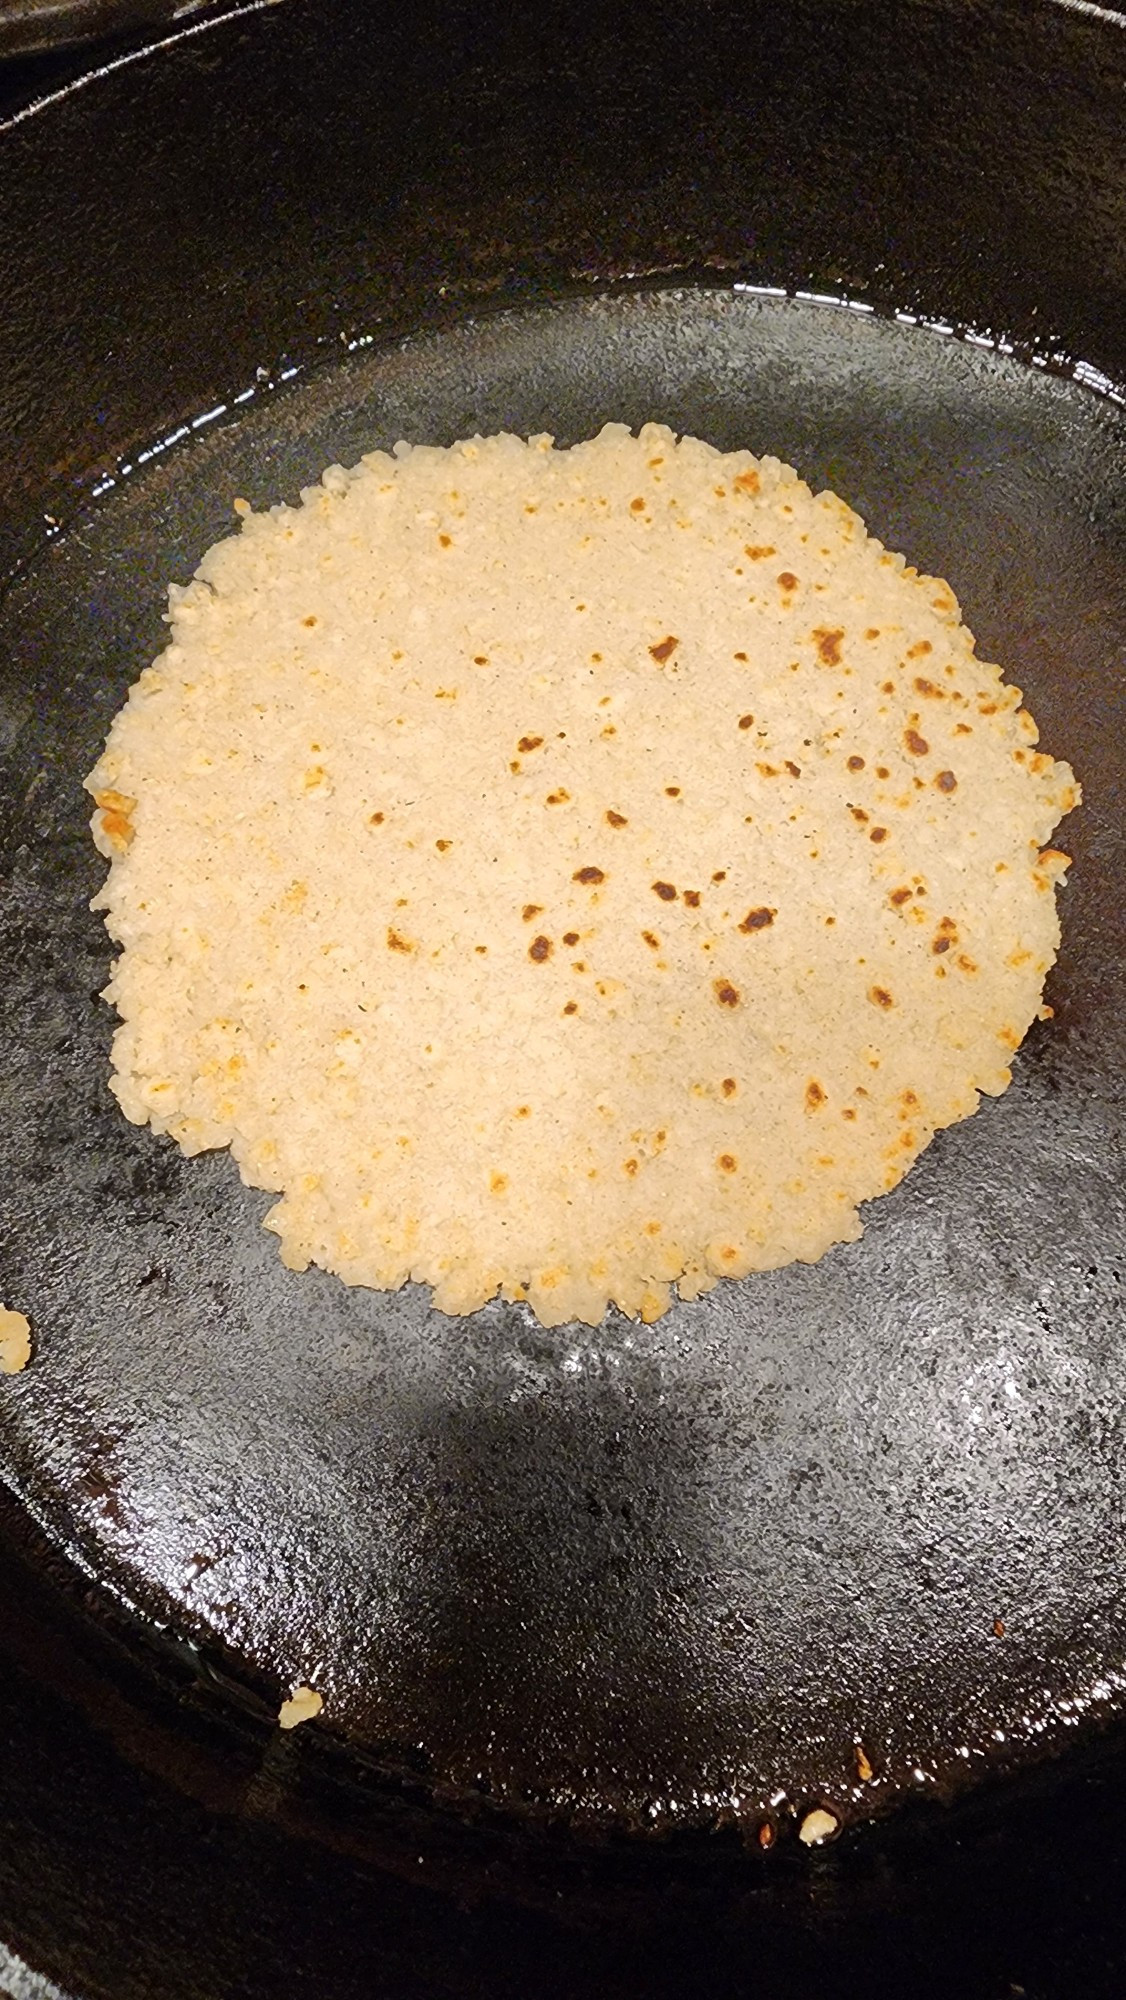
(570, 874)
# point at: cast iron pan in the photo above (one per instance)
(30, 26)
(660, 1587)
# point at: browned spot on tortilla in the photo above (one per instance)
(539, 949)
(880, 997)
(588, 874)
(758, 920)
(725, 993)
(664, 650)
(815, 1097)
(917, 744)
(118, 828)
(616, 818)
(828, 644)
(397, 943)
(946, 781)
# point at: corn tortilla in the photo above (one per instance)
(573, 874)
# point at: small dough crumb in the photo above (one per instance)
(300, 1706)
(15, 1342)
(818, 1826)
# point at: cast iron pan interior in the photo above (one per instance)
(32, 26)
(639, 1577)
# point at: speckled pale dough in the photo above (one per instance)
(570, 873)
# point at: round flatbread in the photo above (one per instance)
(572, 874)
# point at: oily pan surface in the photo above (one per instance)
(570, 873)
